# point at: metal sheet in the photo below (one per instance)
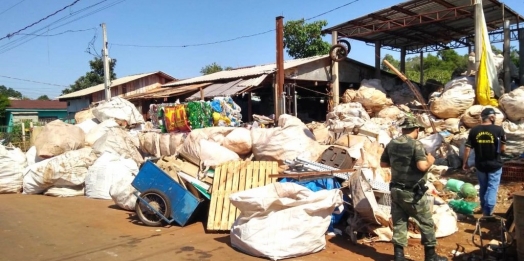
(229, 88)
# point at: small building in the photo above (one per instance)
(131, 85)
(35, 111)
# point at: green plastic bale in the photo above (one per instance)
(468, 190)
(463, 207)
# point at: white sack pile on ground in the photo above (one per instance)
(84, 115)
(118, 141)
(213, 137)
(161, 144)
(99, 130)
(58, 137)
(12, 164)
(283, 220)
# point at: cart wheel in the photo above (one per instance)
(346, 44)
(156, 200)
(338, 52)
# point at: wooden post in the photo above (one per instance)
(403, 59)
(23, 130)
(201, 94)
(377, 59)
(249, 108)
(334, 77)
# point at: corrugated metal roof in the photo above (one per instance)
(229, 88)
(114, 83)
(244, 72)
(167, 92)
(37, 104)
(454, 28)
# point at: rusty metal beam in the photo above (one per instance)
(404, 22)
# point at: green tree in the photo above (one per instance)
(392, 61)
(10, 92)
(303, 39)
(94, 77)
(43, 98)
(4, 103)
(213, 68)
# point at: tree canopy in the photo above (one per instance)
(43, 98)
(4, 103)
(213, 68)
(441, 67)
(94, 77)
(10, 92)
(303, 39)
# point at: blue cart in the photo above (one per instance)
(161, 198)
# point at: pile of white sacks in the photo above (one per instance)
(453, 111)
(100, 156)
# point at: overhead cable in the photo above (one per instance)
(56, 12)
(228, 40)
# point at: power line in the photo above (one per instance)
(11, 7)
(13, 44)
(56, 12)
(228, 40)
(64, 32)
(192, 45)
(25, 80)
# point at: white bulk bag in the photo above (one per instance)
(453, 101)
(120, 142)
(58, 137)
(121, 190)
(213, 154)
(68, 169)
(98, 131)
(513, 104)
(471, 117)
(239, 141)
(99, 177)
(372, 96)
(31, 156)
(12, 164)
(282, 220)
(87, 125)
(119, 109)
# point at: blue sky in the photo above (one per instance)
(62, 59)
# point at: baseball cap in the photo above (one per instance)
(488, 111)
(410, 123)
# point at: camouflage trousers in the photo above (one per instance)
(402, 208)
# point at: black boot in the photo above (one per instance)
(399, 253)
(431, 255)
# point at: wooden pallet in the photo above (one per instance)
(232, 177)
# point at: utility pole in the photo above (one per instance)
(279, 88)
(105, 57)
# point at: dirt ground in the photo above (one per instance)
(35, 227)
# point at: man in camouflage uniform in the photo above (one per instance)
(409, 162)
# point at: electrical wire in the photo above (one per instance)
(228, 40)
(20, 41)
(25, 80)
(11, 7)
(64, 32)
(56, 12)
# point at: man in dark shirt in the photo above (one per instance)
(409, 163)
(489, 141)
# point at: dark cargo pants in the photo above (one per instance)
(402, 209)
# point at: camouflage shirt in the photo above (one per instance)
(402, 154)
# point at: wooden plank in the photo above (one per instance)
(242, 181)
(214, 198)
(227, 191)
(274, 169)
(249, 175)
(220, 199)
(232, 209)
(256, 169)
(262, 174)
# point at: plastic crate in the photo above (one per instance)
(513, 171)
